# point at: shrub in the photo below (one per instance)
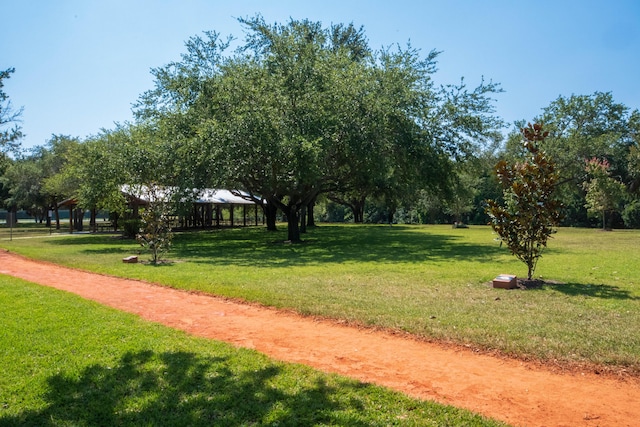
(631, 214)
(131, 227)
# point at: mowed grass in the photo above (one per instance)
(430, 281)
(68, 361)
(29, 228)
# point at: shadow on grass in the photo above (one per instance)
(110, 250)
(257, 247)
(327, 244)
(98, 244)
(90, 239)
(601, 291)
(188, 390)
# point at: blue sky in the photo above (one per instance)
(81, 64)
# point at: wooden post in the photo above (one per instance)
(71, 219)
(209, 219)
(79, 217)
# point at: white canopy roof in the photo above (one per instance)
(206, 195)
(223, 197)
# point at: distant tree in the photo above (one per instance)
(462, 197)
(56, 185)
(5, 163)
(585, 126)
(604, 193)
(96, 170)
(9, 135)
(23, 180)
(634, 167)
(35, 181)
(631, 213)
(530, 211)
(582, 127)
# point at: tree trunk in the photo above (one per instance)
(293, 229)
(92, 221)
(116, 216)
(358, 213)
(357, 207)
(392, 212)
(270, 213)
(303, 219)
(311, 221)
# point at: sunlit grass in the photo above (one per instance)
(68, 361)
(431, 281)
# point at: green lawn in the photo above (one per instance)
(28, 228)
(431, 281)
(71, 362)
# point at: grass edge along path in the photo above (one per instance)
(71, 361)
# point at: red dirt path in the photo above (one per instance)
(509, 390)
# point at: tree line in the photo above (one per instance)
(309, 119)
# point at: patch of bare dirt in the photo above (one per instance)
(517, 392)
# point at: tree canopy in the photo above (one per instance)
(300, 110)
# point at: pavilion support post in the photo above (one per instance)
(78, 218)
(209, 219)
(71, 219)
(194, 216)
(56, 212)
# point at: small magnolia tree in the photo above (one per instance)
(527, 218)
(604, 193)
(155, 234)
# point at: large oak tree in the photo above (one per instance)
(301, 110)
